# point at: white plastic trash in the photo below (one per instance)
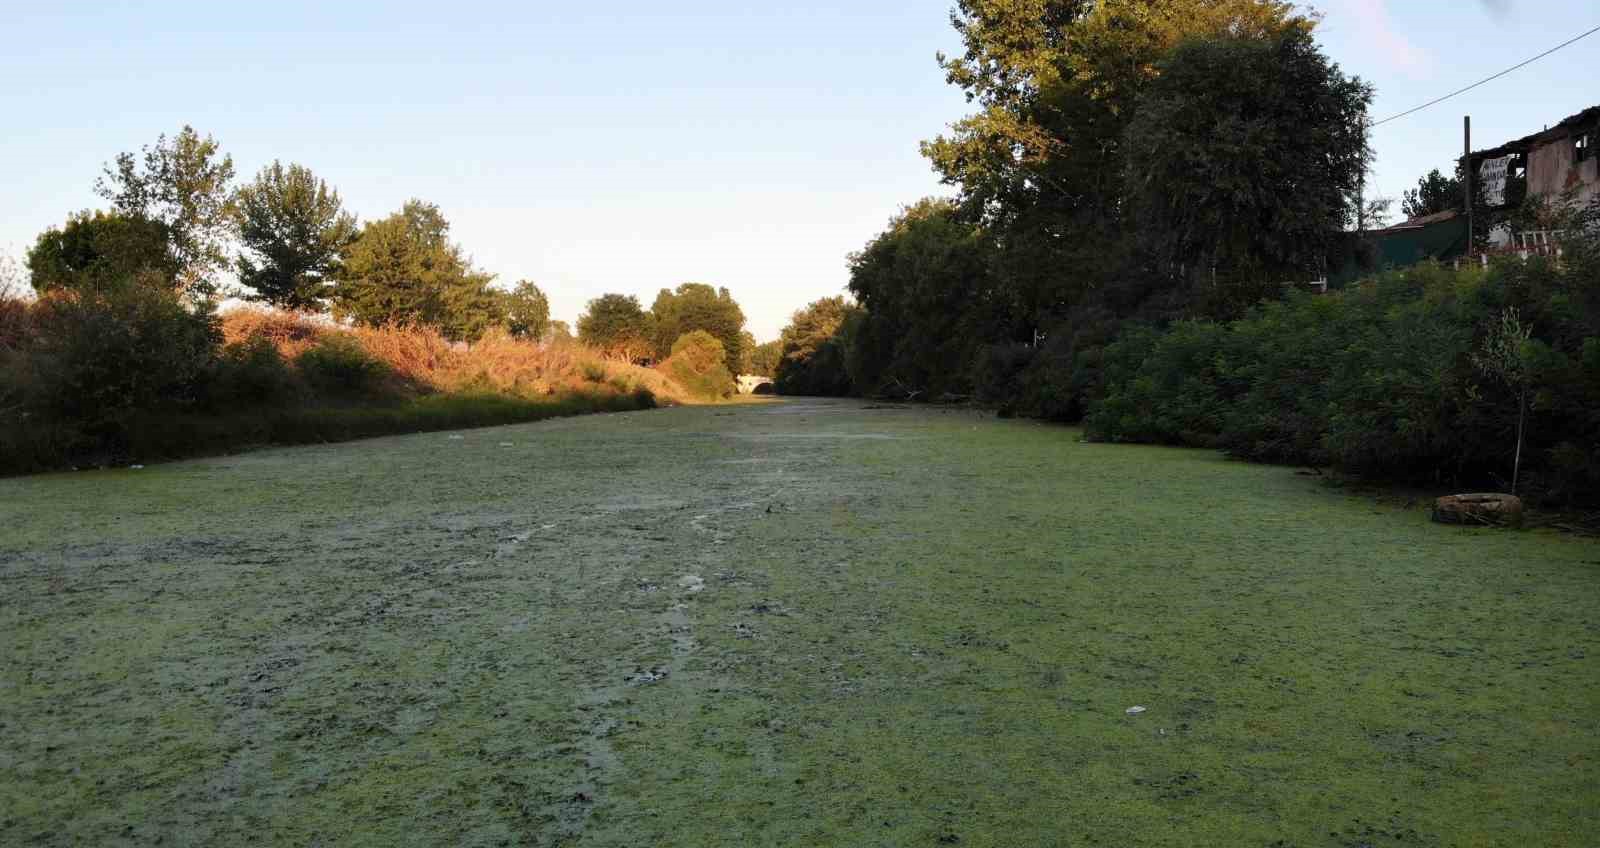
(1134, 710)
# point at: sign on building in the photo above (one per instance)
(1492, 177)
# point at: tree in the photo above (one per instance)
(813, 355)
(1041, 162)
(930, 300)
(696, 306)
(293, 227)
(404, 270)
(527, 311)
(560, 331)
(747, 353)
(101, 252)
(1503, 357)
(1245, 159)
(1434, 193)
(181, 183)
(764, 358)
(616, 323)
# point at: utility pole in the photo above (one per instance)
(1466, 174)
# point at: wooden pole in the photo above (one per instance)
(1466, 174)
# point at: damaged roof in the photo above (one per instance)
(1588, 119)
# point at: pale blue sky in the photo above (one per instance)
(630, 146)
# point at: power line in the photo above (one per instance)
(1488, 79)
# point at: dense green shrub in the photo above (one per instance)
(1164, 388)
(698, 363)
(98, 358)
(251, 372)
(90, 363)
(1385, 379)
(339, 366)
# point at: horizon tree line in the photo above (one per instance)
(176, 221)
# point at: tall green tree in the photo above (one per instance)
(764, 358)
(1434, 193)
(185, 183)
(527, 311)
(102, 252)
(404, 270)
(1041, 161)
(697, 306)
(747, 352)
(1245, 159)
(930, 300)
(814, 349)
(617, 324)
(292, 227)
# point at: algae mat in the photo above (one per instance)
(797, 623)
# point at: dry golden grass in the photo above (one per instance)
(426, 360)
(291, 332)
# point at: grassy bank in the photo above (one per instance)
(797, 623)
(179, 437)
(137, 378)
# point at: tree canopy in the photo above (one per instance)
(101, 252)
(814, 349)
(925, 283)
(764, 358)
(1245, 160)
(1434, 193)
(185, 184)
(404, 270)
(616, 323)
(293, 227)
(527, 311)
(1041, 161)
(697, 306)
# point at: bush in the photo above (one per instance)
(338, 366)
(1166, 388)
(698, 364)
(250, 373)
(292, 333)
(90, 363)
(15, 323)
(133, 374)
(99, 357)
(1385, 379)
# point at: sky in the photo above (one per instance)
(631, 146)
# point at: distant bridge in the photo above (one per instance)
(749, 382)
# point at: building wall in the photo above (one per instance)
(1552, 171)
